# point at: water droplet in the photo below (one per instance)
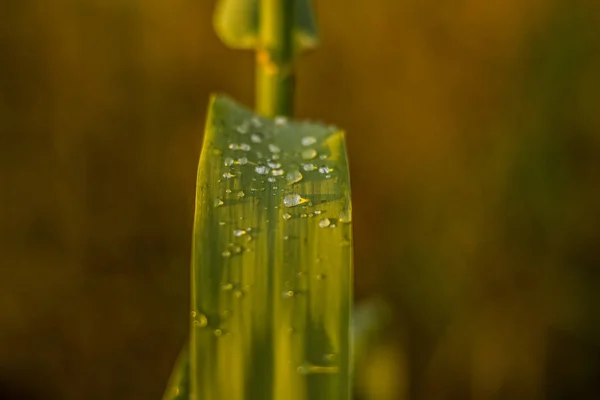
(218, 332)
(308, 140)
(256, 122)
(304, 215)
(239, 232)
(293, 177)
(242, 161)
(254, 138)
(329, 357)
(221, 223)
(238, 294)
(218, 202)
(321, 277)
(274, 149)
(277, 172)
(279, 121)
(245, 147)
(288, 294)
(293, 199)
(228, 161)
(261, 169)
(286, 216)
(227, 287)
(243, 128)
(199, 320)
(241, 194)
(228, 175)
(323, 157)
(234, 146)
(309, 154)
(271, 179)
(345, 243)
(227, 190)
(324, 169)
(318, 212)
(237, 249)
(248, 239)
(309, 167)
(275, 156)
(226, 253)
(274, 165)
(345, 216)
(324, 223)
(286, 237)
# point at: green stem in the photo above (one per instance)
(275, 58)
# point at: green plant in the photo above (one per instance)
(272, 249)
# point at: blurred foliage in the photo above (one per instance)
(474, 141)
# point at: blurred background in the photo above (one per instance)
(474, 140)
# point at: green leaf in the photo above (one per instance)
(237, 24)
(178, 385)
(271, 260)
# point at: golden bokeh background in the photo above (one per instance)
(474, 140)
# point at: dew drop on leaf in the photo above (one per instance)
(293, 177)
(345, 216)
(324, 223)
(293, 199)
(308, 140)
(309, 154)
(199, 320)
(239, 232)
(262, 170)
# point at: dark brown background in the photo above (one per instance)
(474, 139)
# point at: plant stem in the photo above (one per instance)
(275, 58)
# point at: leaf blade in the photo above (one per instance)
(272, 260)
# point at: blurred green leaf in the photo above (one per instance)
(237, 24)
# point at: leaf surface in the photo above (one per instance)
(271, 260)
